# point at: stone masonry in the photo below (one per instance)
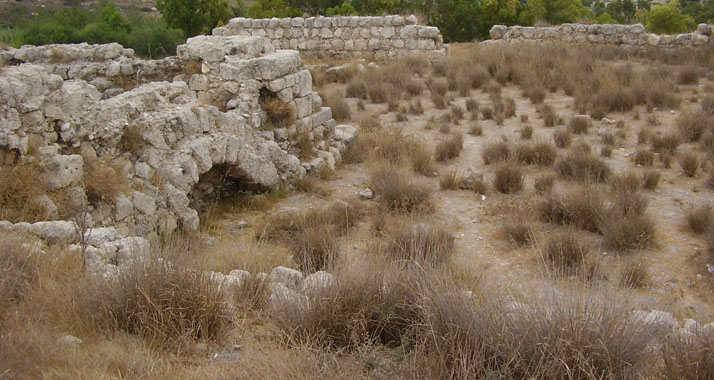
(385, 37)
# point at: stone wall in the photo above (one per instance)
(172, 128)
(386, 37)
(622, 35)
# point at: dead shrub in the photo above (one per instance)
(693, 124)
(579, 125)
(583, 208)
(666, 143)
(356, 90)
(163, 303)
(606, 152)
(475, 130)
(439, 101)
(509, 178)
(439, 87)
(627, 232)
(414, 87)
(103, 180)
(634, 275)
(700, 219)
(583, 168)
(369, 123)
(544, 184)
(279, 113)
(651, 179)
(493, 152)
(416, 108)
(450, 181)
(526, 132)
(689, 162)
(398, 191)
(565, 254)
(471, 105)
(17, 269)
(340, 108)
(19, 186)
(628, 182)
(608, 139)
(644, 157)
(421, 243)
(449, 148)
(562, 138)
(487, 113)
(548, 114)
(444, 128)
(541, 154)
(536, 95)
(519, 233)
(688, 75)
(689, 357)
(304, 145)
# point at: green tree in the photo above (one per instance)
(605, 18)
(345, 9)
(622, 11)
(194, 16)
(497, 12)
(556, 11)
(114, 19)
(455, 18)
(271, 8)
(668, 19)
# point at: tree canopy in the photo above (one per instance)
(194, 16)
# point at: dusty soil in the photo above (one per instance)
(679, 280)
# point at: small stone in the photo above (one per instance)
(367, 193)
(70, 341)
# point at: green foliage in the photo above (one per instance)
(143, 33)
(668, 19)
(271, 8)
(621, 11)
(555, 12)
(455, 19)
(501, 12)
(605, 18)
(194, 16)
(701, 12)
(345, 9)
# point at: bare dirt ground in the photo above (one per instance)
(679, 281)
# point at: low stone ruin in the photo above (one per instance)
(385, 37)
(171, 131)
(620, 35)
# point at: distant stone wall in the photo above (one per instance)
(625, 35)
(385, 37)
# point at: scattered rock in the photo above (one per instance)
(70, 341)
(291, 278)
(367, 193)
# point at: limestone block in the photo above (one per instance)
(387, 32)
(304, 82)
(60, 171)
(428, 32)
(277, 64)
(424, 44)
(411, 20)
(303, 107)
(322, 116)
(498, 32)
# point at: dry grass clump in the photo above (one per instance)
(606, 152)
(420, 243)
(565, 254)
(700, 219)
(369, 303)
(17, 269)
(650, 179)
(304, 145)
(693, 124)
(634, 275)
(312, 235)
(583, 208)
(487, 113)
(19, 186)
(475, 130)
(449, 148)
(416, 108)
(414, 87)
(628, 182)
(541, 153)
(689, 162)
(509, 178)
(688, 75)
(624, 231)
(519, 233)
(369, 123)
(544, 184)
(562, 138)
(280, 114)
(471, 105)
(548, 114)
(526, 132)
(644, 157)
(496, 151)
(340, 108)
(356, 90)
(583, 168)
(391, 147)
(689, 357)
(103, 180)
(667, 143)
(450, 181)
(398, 190)
(164, 304)
(579, 124)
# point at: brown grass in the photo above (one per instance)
(520, 233)
(336, 102)
(541, 153)
(494, 152)
(579, 125)
(644, 157)
(689, 357)
(689, 162)
(526, 132)
(627, 232)
(634, 275)
(103, 180)
(420, 243)
(562, 138)
(650, 179)
(700, 219)
(449, 148)
(509, 178)
(398, 190)
(450, 181)
(565, 254)
(693, 124)
(667, 143)
(583, 208)
(583, 168)
(280, 114)
(544, 184)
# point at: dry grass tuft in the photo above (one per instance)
(689, 162)
(398, 190)
(700, 219)
(420, 243)
(541, 153)
(19, 186)
(693, 124)
(280, 114)
(526, 132)
(103, 180)
(544, 184)
(509, 178)
(450, 181)
(634, 275)
(565, 254)
(583, 168)
(519, 233)
(494, 152)
(583, 208)
(689, 357)
(340, 108)
(626, 232)
(449, 148)
(562, 138)
(650, 179)
(667, 143)
(644, 157)
(475, 130)
(579, 125)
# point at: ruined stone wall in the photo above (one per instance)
(385, 37)
(621, 35)
(165, 126)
